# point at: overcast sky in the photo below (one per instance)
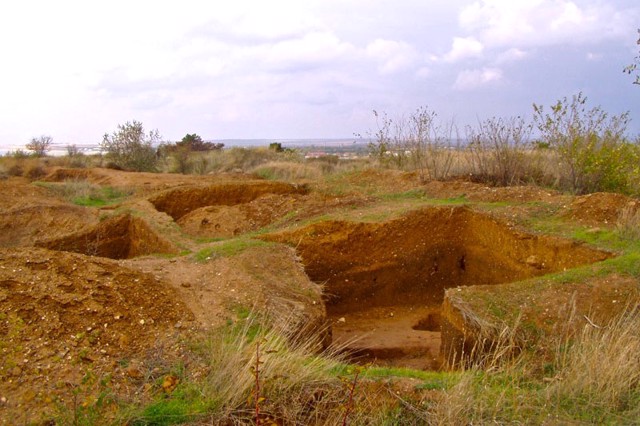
(302, 69)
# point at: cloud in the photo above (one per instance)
(544, 22)
(463, 48)
(511, 55)
(307, 52)
(472, 79)
(392, 56)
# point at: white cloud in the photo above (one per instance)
(511, 55)
(471, 79)
(312, 50)
(463, 48)
(392, 56)
(544, 22)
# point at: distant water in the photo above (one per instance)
(87, 148)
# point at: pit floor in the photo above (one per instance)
(385, 336)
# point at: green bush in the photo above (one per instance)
(592, 148)
(131, 148)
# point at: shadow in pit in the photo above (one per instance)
(385, 282)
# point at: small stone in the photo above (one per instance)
(186, 285)
(342, 319)
(134, 372)
(534, 262)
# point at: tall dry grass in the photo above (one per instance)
(628, 223)
(297, 384)
(594, 378)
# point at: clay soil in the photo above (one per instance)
(117, 291)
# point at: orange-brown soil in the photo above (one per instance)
(116, 291)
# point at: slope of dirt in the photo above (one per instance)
(265, 279)
(478, 192)
(19, 193)
(119, 237)
(65, 314)
(599, 208)
(25, 226)
(181, 201)
(141, 182)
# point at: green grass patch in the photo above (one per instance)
(228, 248)
(83, 193)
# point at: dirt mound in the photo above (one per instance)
(27, 225)
(228, 221)
(267, 278)
(19, 193)
(181, 201)
(599, 208)
(119, 237)
(64, 315)
(478, 192)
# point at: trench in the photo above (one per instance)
(179, 202)
(120, 237)
(384, 282)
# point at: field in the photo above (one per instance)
(312, 292)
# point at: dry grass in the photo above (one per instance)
(297, 384)
(594, 379)
(628, 224)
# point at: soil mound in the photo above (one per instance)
(19, 193)
(181, 201)
(478, 192)
(27, 225)
(599, 208)
(63, 314)
(228, 221)
(120, 237)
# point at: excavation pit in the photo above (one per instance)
(385, 282)
(179, 202)
(119, 237)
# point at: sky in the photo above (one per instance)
(295, 69)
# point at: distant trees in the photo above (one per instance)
(40, 145)
(193, 142)
(181, 151)
(130, 148)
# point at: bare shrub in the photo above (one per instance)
(421, 142)
(498, 149)
(40, 145)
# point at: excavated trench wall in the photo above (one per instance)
(413, 259)
(181, 201)
(120, 237)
